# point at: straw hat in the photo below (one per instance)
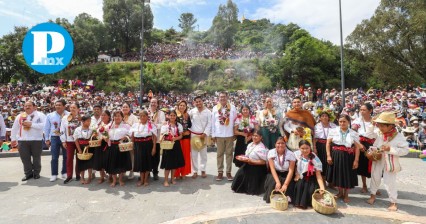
(386, 118)
(409, 130)
(197, 143)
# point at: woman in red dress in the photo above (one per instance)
(184, 119)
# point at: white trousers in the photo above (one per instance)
(389, 180)
(194, 158)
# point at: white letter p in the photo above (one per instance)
(40, 45)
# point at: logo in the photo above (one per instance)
(48, 48)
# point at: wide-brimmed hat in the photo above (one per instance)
(197, 142)
(386, 118)
(414, 118)
(409, 130)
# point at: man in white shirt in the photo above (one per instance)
(158, 118)
(223, 118)
(2, 131)
(201, 127)
(27, 133)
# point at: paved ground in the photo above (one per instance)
(190, 201)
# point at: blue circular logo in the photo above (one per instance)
(48, 48)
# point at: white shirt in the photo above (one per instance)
(94, 123)
(131, 119)
(117, 133)
(219, 130)
(79, 133)
(68, 129)
(283, 166)
(321, 131)
(257, 151)
(339, 138)
(398, 145)
(201, 121)
(166, 129)
(139, 130)
(365, 128)
(302, 163)
(35, 133)
(2, 128)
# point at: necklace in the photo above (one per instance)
(85, 131)
(323, 130)
(343, 135)
(283, 161)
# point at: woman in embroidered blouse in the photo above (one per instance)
(68, 125)
(82, 136)
(172, 159)
(144, 136)
(129, 119)
(342, 157)
(268, 120)
(118, 162)
(184, 119)
(101, 154)
(251, 176)
(245, 124)
(365, 128)
(308, 175)
(322, 129)
(281, 162)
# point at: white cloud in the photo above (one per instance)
(320, 17)
(171, 3)
(70, 9)
(18, 16)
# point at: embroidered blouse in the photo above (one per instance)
(140, 130)
(303, 163)
(347, 139)
(257, 151)
(322, 132)
(281, 166)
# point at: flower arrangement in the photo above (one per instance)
(329, 112)
(272, 124)
(224, 117)
(327, 200)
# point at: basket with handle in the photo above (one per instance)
(125, 146)
(278, 201)
(166, 145)
(95, 143)
(85, 155)
(320, 207)
(373, 154)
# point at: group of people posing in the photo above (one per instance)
(289, 152)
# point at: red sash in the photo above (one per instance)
(344, 149)
(367, 140)
(149, 138)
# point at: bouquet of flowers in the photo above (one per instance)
(272, 124)
(103, 132)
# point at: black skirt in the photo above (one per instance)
(341, 172)
(250, 179)
(270, 186)
(143, 156)
(118, 162)
(322, 155)
(240, 149)
(83, 165)
(304, 189)
(100, 155)
(363, 162)
(172, 159)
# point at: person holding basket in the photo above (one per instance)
(391, 144)
(172, 156)
(281, 163)
(82, 136)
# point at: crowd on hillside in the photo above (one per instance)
(159, 52)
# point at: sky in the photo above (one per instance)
(319, 17)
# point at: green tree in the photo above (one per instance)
(123, 20)
(97, 28)
(394, 38)
(225, 25)
(12, 63)
(186, 22)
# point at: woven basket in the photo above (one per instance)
(278, 201)
(94, 143)
(125, 146)
(373, 155)
(85, 155)
(319, 207)
(167, 145)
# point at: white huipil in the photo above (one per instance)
(398, 147)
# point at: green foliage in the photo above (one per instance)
(123, 19)
(225, 25)
(186, 22)
(394, 40)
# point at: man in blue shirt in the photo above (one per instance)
(52, 133)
